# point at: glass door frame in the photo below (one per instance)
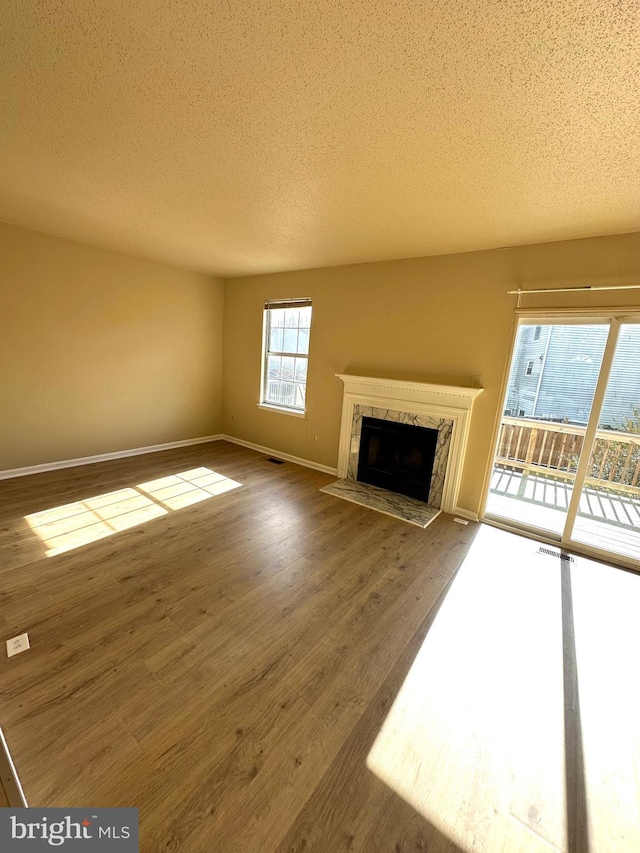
(614, 318)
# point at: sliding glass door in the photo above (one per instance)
(608, 514)
(567, 462)
(552, 383)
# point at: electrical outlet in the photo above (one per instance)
(17, 644)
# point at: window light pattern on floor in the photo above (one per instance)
(64, 528)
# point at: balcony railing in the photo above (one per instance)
(553, 449)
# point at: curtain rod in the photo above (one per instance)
(520, 293)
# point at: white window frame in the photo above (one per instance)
(528, 371)
(266, 352)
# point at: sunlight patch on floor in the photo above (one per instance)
(189, 487)
(70, 526)
(474, 740)
(486, 738)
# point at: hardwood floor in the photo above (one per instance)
(259, 669)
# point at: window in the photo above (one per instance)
(536, 333)
(529, 369)
(520, 413)
(287, 325)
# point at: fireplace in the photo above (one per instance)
(396, 456)
(441, 409)
(402, 446)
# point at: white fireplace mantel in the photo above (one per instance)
(450, 402)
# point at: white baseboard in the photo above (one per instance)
(103, 457)
(466, 513)
(307, 463)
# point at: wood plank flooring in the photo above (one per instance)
(273, 669)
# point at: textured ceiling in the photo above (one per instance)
(248, 137)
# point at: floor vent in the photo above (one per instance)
(275, 461)
(567, 557)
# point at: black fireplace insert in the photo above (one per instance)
(397, 457)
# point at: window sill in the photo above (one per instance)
(269, 408)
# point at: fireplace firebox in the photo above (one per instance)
(398, 457)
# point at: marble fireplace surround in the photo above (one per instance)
(446, 408)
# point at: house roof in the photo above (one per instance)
(240, 138)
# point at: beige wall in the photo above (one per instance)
(101, 351)
(442, 319)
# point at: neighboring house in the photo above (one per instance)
(555, 371)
